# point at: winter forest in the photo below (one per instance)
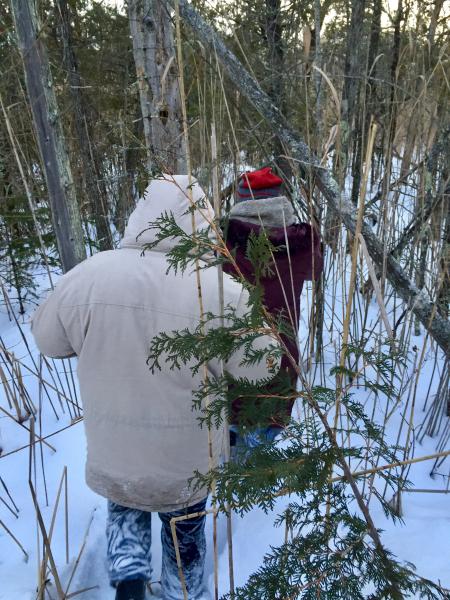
(342, 103)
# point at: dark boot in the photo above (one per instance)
(134, 589)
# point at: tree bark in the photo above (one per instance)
(275, 61)
(157, 75)
(438, 5)
(417, 300)
(91, 177)
(49, 133)
(352, 76)
(391, 110)
(317, 76)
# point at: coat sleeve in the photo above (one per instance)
(257, 371)
(47, 327)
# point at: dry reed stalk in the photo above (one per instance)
(216, 198)
(66, 513)
(38, 439)
(24, 396)
(9, 508)
(41, 524)
(377, 288)
(374, 470)
(83, 591)
(315, 222)
(10, 397)
(36, 373)
(10, 533)
(73, 391)
(27, 346)
(178, 557)
(220, 247)
(15, 391)
(197, 272)
(417, 373)
(399, 463)
(8, 310)
(61, 394)
(351, 290)
(9, 495)
(77, 561)
(217, 211)
(41, 451)
(52, 522)
(356, 240)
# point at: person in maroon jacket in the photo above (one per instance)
(260, 206)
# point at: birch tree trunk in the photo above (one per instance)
(157, 75)
(49, 133)
(417, 300)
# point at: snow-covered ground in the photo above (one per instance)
(423, 538)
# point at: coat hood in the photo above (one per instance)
(171, 194)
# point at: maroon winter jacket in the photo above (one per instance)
(281, 290)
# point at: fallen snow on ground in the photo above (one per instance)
(422, 539)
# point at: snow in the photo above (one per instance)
(422, 539)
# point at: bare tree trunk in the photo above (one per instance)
(352, 79)
(52, 146)
(367, 97)
(417, 300)
(317, 76)
(392, 125)
(275, 60)
(156, 69)
(438, 5)
(374, 42)
(93, 186)
(443, 301)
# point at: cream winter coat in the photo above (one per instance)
(143, 438)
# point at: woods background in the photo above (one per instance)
(331, 68)
(348, 101)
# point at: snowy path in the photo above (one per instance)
(423, 539)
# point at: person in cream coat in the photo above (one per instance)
(144, 441)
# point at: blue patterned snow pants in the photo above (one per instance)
(242, 442)
(128, 534)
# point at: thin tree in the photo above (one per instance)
(273, 32)
(50, 136)
(92, 182)
(351, 119)
(157, 75)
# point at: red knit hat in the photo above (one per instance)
(259, 184)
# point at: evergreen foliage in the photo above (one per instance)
(333, 549)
